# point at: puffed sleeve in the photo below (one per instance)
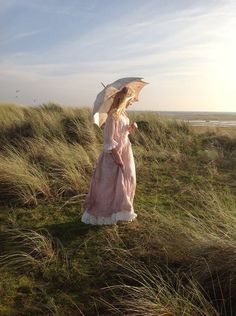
(109, 131)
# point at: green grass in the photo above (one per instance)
(177, 258)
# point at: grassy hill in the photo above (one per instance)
(177, 258)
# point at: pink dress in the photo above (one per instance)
(112, 188)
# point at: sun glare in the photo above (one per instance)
(222, 71)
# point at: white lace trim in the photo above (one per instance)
(101, 220)
(109, 147)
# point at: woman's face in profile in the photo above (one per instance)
(129, 103)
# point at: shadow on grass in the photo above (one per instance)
(69, 231)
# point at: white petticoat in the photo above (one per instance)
(101, 220)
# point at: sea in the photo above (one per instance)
(204, 118)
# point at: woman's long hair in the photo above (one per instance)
(120, 101)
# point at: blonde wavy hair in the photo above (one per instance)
(120, 101)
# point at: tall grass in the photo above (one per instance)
(27, 247)
(20, 180)
(142, 291)
(45, 153)
(172, 264)
(178, 258)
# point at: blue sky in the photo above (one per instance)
(60, 51)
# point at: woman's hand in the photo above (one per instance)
(117, 157)
(132, 126)
(119, 162)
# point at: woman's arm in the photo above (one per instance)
(117, 157)
(110, 144)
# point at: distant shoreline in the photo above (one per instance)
(186, 112)
(199, 118)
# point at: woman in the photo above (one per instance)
(112, 188)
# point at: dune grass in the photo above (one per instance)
(177, 258)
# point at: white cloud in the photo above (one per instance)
(21, 35)
(174, 51)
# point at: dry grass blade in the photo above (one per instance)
(26, 247)
(154, 292)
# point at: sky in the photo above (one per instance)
(60, 51)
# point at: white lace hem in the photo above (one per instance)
(101, 220)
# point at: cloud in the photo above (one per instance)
(58, 7)
(174, 50)
(6, 5)
(127, 37)
(22, 35)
